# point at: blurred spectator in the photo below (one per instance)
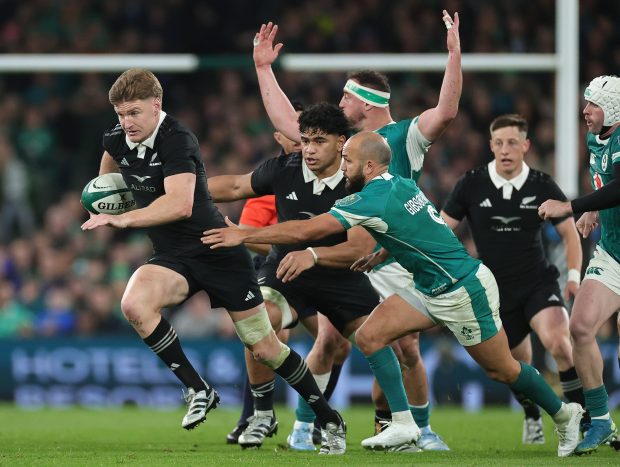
(15, 319)
(57, 317)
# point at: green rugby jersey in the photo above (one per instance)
(398, 215)
(603, 155)
(408, 148)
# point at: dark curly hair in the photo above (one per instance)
(324, 117)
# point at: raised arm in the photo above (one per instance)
(280, 110)
(434, 121)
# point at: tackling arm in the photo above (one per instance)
(284, 233)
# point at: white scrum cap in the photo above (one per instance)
(604, 91)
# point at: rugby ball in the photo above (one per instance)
(108, 194)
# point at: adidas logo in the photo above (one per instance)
(312, 399)
(174, 366)
(249, 296)
(292, 195)
(124, 162)
(486, 203)
(553, 298)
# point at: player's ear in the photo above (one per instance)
(340, 143)
(526, 145)
(157, 103)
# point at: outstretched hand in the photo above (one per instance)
(224, 236)
(265, 53)
(97, 220)
(453, 39)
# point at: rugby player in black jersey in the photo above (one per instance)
(305, 184)
(500, 201)
(160, 161)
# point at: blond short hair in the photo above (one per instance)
(135, 84)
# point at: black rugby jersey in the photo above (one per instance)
(175, 150)
(283, 177)
(507, 232)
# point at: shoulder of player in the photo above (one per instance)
(476, 174)
(114, 140)
(172, 127)
(538, 176)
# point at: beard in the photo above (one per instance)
(354, 184)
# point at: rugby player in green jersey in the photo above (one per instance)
(599, 295)
(366, 103)
(457, 290)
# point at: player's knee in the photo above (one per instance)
(132, 308)
(272, 354)
(368, 341)
(410, 351)
(274, 314)
(581, 331)
(506, 373)
(330, 342)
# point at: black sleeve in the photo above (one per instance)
(264, 176)
(179, 153)
(605, 197)
(457, 206)
(555, 192)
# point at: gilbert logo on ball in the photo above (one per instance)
(108, 194)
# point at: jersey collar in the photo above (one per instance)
(318, 184)
(508, 185)
(148, 142)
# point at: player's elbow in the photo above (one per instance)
(184, 210)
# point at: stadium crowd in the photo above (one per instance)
(57, 281)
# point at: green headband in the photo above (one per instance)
(368, 95)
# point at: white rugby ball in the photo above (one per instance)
(108, 194)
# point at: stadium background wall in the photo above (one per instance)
(108, 372)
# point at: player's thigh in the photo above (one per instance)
(153, 287)
(390, 320)
(471, 311)
(551, 324)
(493, 355)
(599, 294)
(329, 339)
(389, 278)
(594, 304)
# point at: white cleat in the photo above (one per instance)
(533, 432)
(334, 438)
(393, 436)
(198, 405)
(568, 432)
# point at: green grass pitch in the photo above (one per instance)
(150, 437)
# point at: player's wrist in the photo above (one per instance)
(574, 275)
(315, 257)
